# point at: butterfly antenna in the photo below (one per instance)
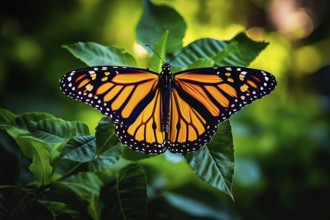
(179, 54)
(147, 45)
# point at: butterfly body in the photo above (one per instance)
(165, 84)
(155, 112)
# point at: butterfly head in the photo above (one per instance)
(166, 68)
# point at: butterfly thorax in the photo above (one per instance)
(165, 84)
(165, 77)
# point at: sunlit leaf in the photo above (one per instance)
(94, 54)
(214, 163)
(57, 130)
(201, 63)
(36, 150)
(155, 62)
(125, 196)
(105, 160)
(239, 51)
(105, 136)
(155, 20)
(80, 149)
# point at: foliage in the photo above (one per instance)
(79, 175)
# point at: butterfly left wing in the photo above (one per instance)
(129, 96)
(120, 93)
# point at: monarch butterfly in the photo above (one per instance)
(155, 112)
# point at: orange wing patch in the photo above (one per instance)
(145, 134)
(197, 92)
(200, 78)
(188, 130)
(210, 94)
(218, 92)
(118, 92)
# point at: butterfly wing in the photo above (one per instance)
(121, 93)
(129, 96)
(217, 93)
(202, 98)
(188, 129)
(145, 134)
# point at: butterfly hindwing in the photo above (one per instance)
(120, 93)
(217, 93)
(145, 134)
(188, 130)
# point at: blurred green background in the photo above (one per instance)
(282, 142)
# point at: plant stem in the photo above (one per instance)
(62, 177)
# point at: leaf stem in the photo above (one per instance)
(62, 177)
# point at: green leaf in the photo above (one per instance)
(21, 123)
(160, 49)
(132, 155)
(57, 130)
(83, 184)
(37, 151)
(6, 117)
(80, 149)
(239, 51)
(201, 63)
(105, 160)
(60, 208)
(105, 136)
(9, 145)
(16, 203)
(94, 54)
(61, 199)
(87, 185)
(125, 196)
(94, 207)
(201, 204)
(155, 20)
(214, 163)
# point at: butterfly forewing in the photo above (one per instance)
(217, 93)
(120, 93)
